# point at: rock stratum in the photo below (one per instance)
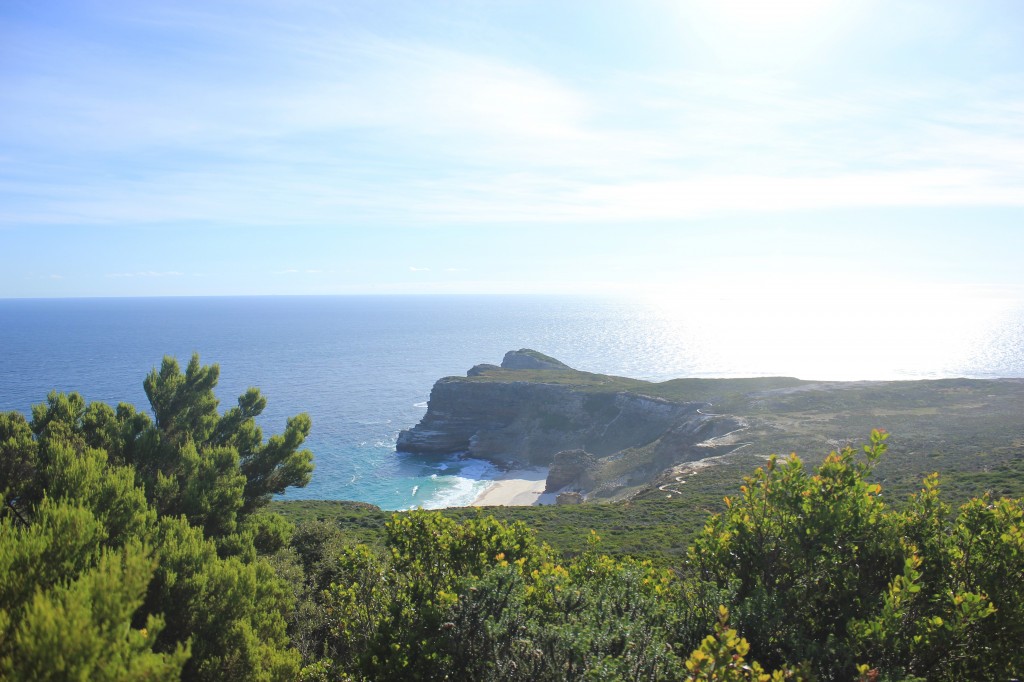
(609, 437)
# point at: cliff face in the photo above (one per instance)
(527, 423)
(531, 409)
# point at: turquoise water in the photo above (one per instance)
(362, 367)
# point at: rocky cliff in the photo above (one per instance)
(534, 407)
(608, 437)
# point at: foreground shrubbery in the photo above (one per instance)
(129, 547)
(482, 601)
(822, 571)
(815, 569)
(137, 549)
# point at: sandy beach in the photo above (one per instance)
(517, 488)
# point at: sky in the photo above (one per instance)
(365, 147)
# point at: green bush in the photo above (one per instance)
(129, 548)
(825, 572)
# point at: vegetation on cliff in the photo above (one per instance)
(138, 548)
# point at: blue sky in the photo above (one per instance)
(314, 147)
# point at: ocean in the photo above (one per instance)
(363, 366)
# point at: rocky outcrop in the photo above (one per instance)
(569, 498)
(571, 468)
(526, 358)
(478, 370)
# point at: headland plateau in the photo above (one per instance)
(571, 436)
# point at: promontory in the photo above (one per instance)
(610, 437)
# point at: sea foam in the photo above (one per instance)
(460, 489)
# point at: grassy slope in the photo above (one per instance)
(971, 431)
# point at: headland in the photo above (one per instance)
(568, 436)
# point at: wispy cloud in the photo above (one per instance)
(305, 271)
(383, 128)
(146, 273)
(413, 268)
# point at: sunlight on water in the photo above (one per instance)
(851, 333)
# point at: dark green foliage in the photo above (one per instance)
(64, 540)
(807, 552)
(657, 529)
(19, 461)
(390, 605)
(602, 618)
(317, 545)
(67, 603)
(721, 657)
(130, 549)
(216, 470)
(277, 465)
(233, 610)
(61, 418)
(483, 600)
(814, 567)
(955, 610)
(205, 486)
(184, 404)
(270, 532)
(824, 571)
(227, 452)
(109, 491)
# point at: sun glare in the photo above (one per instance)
(755, 33)
(839, 329)
(781, 13)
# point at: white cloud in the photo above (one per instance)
(413, 268)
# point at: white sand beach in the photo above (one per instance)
(517, 488)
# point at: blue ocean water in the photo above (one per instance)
(363, 366)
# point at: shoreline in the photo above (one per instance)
(516, 488)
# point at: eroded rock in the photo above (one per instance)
(570, 468)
